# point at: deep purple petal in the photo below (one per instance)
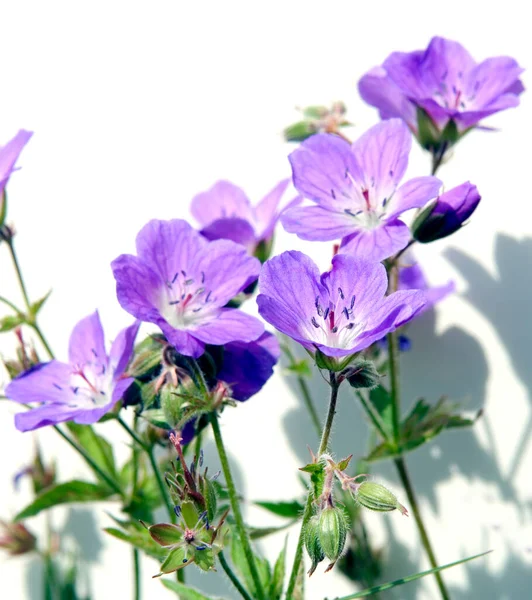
(378, 90)
(47, 382)
(122, 349)
(319, 168)
(266, 211)
(415, 193)
(247, 367)
(317, 223)
(222, 200)
(183, 341)
(236, 230)
(230, 325)
(379, 243)
(462, 200)
(382, 153)
(226, 268)
(45, 415)
(137, 287)
(167, 247)
(120, 389)
(87, 342)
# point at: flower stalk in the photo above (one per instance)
(333, 381)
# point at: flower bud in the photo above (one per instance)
(362, 375)
(312, 543)
(16, 539)
(447, 214)
(375, 496)
(332, 532)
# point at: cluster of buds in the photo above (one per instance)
(317, 119)
(193, 539)
(42, 475)
(16, 539)
(326, 532)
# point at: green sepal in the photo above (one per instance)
(166, 534)
(10, 322)
(299, 132)
(332, 363)
(36, 306)
(204, 559)
(190, 514)
(317, 477)
(362, 374)
(176, 560)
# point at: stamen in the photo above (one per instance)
(314, 322)
(334, 329)
(341, 293)
(202, 277)
(57, 386)
(326, 314)
(350, 326)
(201, 458)
(175, 277)
(346, 313)
(333, 194)
(208, 296)
(352, 302)
(184, 273)
(317, 304)
(189, 281)
(174, 302)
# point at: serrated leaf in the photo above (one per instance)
(11, 321)
(138, 536)
(184, 592)
(387, 586)
(289, 510)
(65, 493)
(98, 448)
(38, 304)
(276, 584)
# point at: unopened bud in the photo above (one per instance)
(312, 543)
(16, 539)
(333, 532)
(375, 496)
(362, 375)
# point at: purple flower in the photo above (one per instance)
(446, 82)
(9, 155)
(356, 190)
(411, 277)
(447, 214)
(182, 282)
(225, 212)
(82, 390)
(245, 369)
(339, 312)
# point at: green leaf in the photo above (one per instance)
(37, 305)
(301, 368)
(276, 584)
(289, 510)
(382, 402)
(298, 132)
(99, 449)
(156, 417)
(138, 536)
(387, 586)
(423, 423)
(65, 493)
(11, 321)
(184, 592)
(241, 564)
(256, 533)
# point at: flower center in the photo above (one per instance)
(91, 383)
(335, 325)
(186, 302)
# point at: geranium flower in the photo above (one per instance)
(9, 154)
(182, 282)
(340, 312)
(225, 212)
(445, 81)
(356, 188)
(82, 390)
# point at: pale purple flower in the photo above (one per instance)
(356, 189)
(181, 282)
(446, 82)
(82, 390)
(447, 214)
(9, 154)
(340, 312)
(411, 277)
(225, 212)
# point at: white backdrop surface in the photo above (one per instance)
(137, 106)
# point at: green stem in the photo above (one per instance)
(11, 305)
(405, 480)
(235, 506)
(437, 158)
(110, 482)
(19, 275)
(136, 572)
(309, 403)
(234, 579)
(308, 508)
(41, 337)
(155, 467)
(373, 415)
(395, 390)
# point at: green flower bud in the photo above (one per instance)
(362, 375)
(171, 405)
(312, 543)
(375, 496)
(333, 532)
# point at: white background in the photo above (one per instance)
(136, 106)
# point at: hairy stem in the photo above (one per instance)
(234, 579)
(309, 403)
(308, 507)
(235, 506)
